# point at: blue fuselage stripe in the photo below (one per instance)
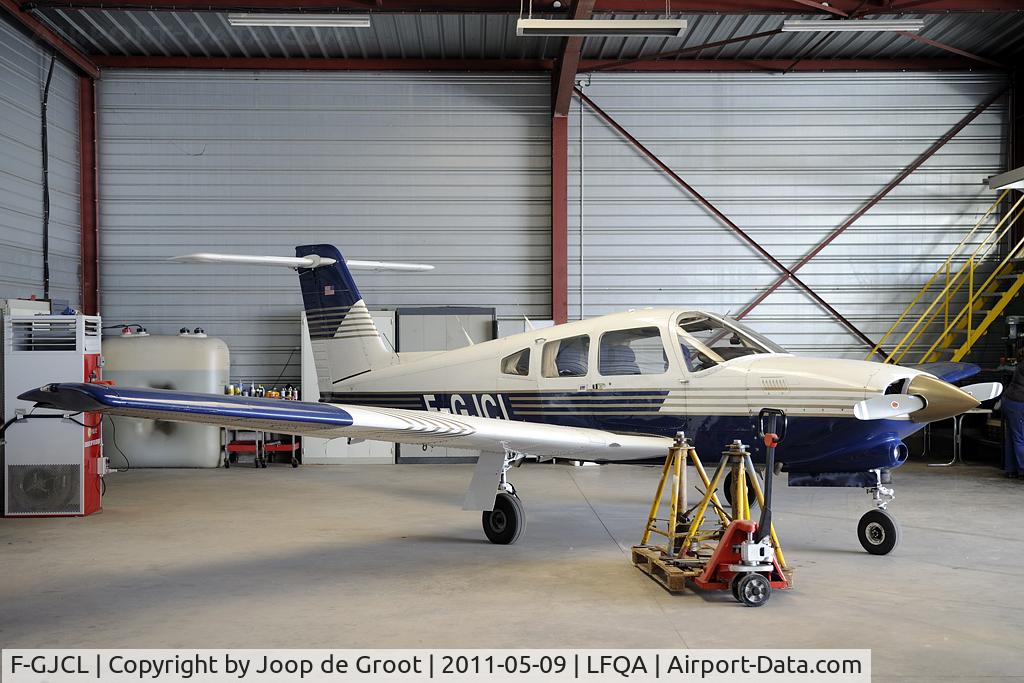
(813, 443)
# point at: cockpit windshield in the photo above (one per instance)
(707, 341)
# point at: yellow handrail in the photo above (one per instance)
(969, 308)
(947, 295)
(945, 266)
(988, 244)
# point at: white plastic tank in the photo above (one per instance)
(186, 362)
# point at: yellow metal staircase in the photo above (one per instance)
(973, 290)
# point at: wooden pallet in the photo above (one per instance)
(672, 578)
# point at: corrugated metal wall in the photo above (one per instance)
(445, 169)
(788, 158)
(23, 67)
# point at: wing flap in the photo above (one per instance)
(328, 420)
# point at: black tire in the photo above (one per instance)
(505, 523)
(751, 496)
(734, 586)
(878, 532)
(753, 589)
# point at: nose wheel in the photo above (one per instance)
(878, 531)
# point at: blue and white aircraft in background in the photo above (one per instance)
(612, 389)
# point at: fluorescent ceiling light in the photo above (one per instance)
(327, 20)
(600, 27)
(912, 25)
(1010, 180)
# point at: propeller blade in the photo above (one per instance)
(984, 391)
(887, 406)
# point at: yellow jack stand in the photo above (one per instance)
(693, 541)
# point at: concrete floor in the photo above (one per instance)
(382, 556)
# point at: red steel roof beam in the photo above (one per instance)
(782, 65)
(787, 7)
(321, 64)
(43, 33)
(824, 7)
(950, 48)
(564, 77)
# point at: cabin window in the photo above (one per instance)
(516, 364)
(566, 357)
(632, 352)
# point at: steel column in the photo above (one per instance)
(721, 216)
(913, 166)
(559, 219)
(88, 195)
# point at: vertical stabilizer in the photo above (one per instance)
(340, 326)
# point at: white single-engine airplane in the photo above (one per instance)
(613, 389)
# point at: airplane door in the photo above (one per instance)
(639, 372)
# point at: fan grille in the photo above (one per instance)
(44, 489)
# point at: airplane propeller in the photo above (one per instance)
(887, 406)
(985, 391)
(897, 405)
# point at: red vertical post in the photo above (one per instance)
(559, 219)
(88, 195)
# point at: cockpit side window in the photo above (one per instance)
(566, 357)
(517, 364)
(638, 351)
(706, 342)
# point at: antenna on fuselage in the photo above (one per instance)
(468, 338)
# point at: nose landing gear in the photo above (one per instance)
(878, 531)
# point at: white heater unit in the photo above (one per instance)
(51, 467)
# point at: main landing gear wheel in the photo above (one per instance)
(729, 488)
(504, 524)
(878, 532)
(752, 589)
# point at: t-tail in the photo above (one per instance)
(345, 340)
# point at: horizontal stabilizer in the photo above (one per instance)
(311, 261)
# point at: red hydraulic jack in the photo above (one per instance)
(707, 545)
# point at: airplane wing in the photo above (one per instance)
(948, 371)
(332, 420)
